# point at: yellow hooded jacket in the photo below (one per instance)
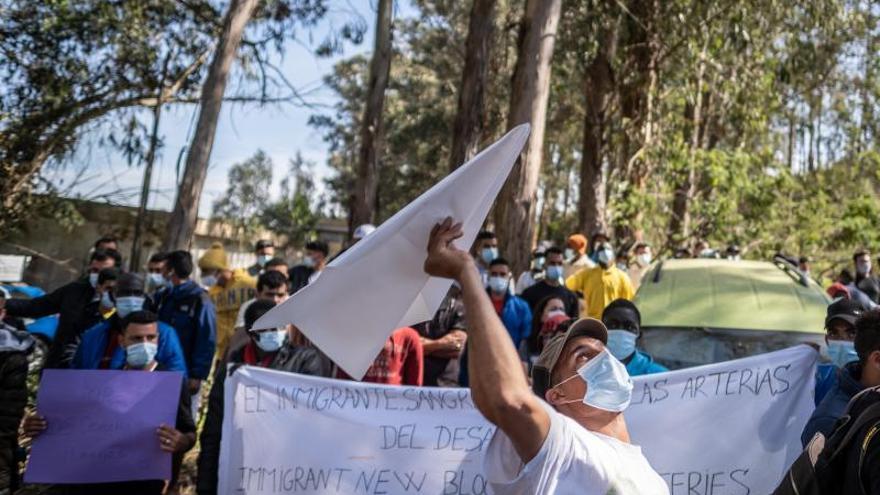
(227, 300)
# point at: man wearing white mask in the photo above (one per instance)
(840, 336)
(264, 251)
(140, 340)
(74, 303)
(600, 285)
(641, 261)
(283, 349)
(485, 250)
(515, 314)
(99, 347)
(865, 280)
(624, 324)
(576, 442)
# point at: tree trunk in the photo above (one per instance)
(598, 92)
(364, 201)
(134, 264)
(470, 116)
(182, 223)
(679, 222)
(515, 209)
(791, 139)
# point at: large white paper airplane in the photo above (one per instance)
(379, 285)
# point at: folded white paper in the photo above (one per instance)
(379, 285)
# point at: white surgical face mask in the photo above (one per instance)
(554, 272)
(605, 256)
(93, 279)
(127, 305)
(498, 285)
(141, 354)
(569, 253)
(106, 300)
(271, 341)
(621, 343)
(552, 313)
(609, 386)
(309, 262)
(842, 352)
(155, 280)
(644, 259)
(489, 254)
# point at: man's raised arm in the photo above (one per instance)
(499, 387)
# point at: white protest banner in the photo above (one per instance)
(730, 428)
(289, 433)
(379, 285)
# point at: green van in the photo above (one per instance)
(701, 311)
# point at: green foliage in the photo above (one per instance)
(294, 214)
(781, 153)
(246, 192)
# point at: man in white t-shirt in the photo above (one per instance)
(577, 442)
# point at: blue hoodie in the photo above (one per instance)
(188, 309)
(834, 404)
(94, 342)
(643, 364)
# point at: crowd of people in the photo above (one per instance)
(574, 305)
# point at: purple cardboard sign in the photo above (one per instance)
(101, 426)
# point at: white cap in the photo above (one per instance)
(363, 231)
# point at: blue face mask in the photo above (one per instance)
(609, 386)
(106, 300)
(538, 264)
(93, 279)
(309, 262)
(489, 254)
(621, 343)
(498, 285)
(605, 256)
(155, 280)
(554, 272)
(209, 280)
(842, 352)
(127, 305)
(141, 354)
(271, 341)
(263, 259)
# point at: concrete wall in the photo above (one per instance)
(59, 256)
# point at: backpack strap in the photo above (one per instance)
(869, 415)
(864, 451)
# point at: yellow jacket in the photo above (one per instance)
(599, 287)
(239, 289)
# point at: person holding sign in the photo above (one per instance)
(280, 349)
(578, 443)
(140, 339)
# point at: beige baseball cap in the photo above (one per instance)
(543, 368)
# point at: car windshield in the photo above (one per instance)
(679, 348)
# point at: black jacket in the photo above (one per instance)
(305, 360)
(76, 311)
(13, 398)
